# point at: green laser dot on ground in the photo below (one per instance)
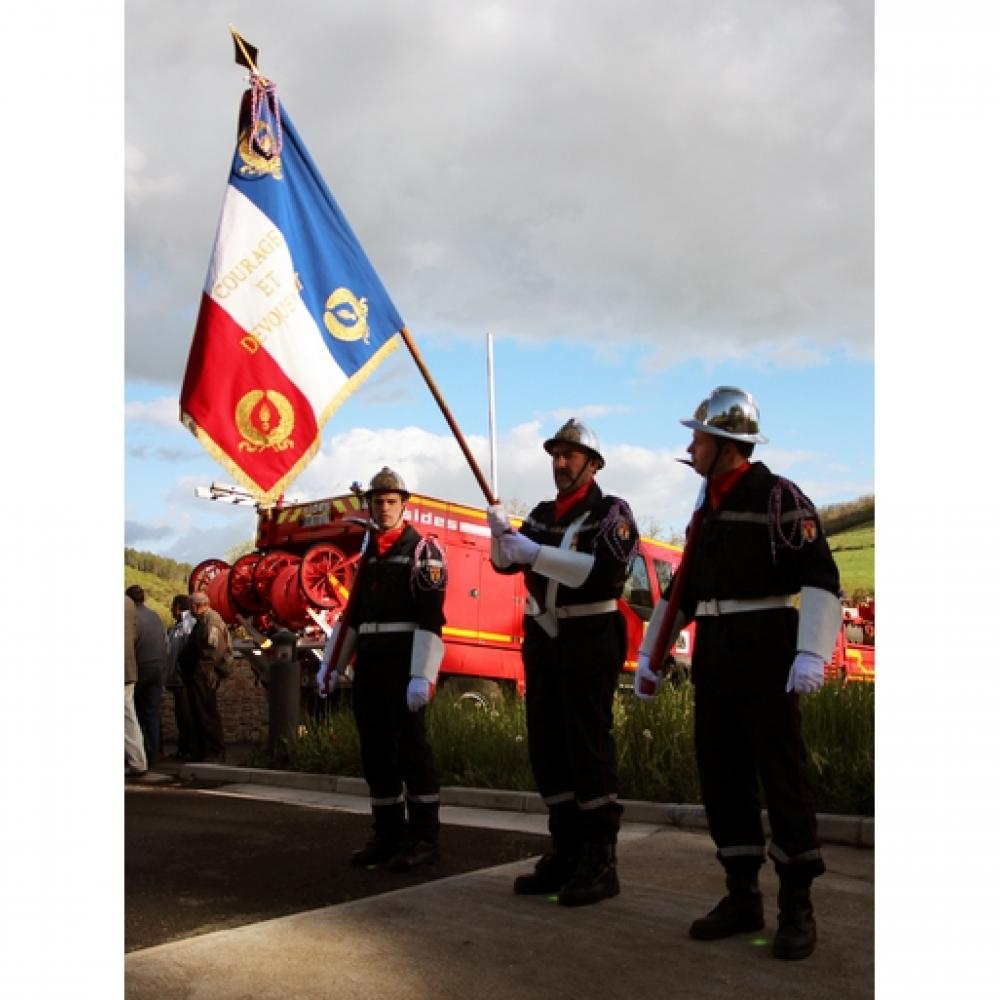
(759, 942)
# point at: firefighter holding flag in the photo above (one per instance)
(575, 552)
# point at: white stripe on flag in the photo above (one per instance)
(252, 277)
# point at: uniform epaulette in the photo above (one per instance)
(804, 527)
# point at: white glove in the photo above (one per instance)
(806, 674)
(321, 680)
(647, 682)
(518, 548)
(418, 693)
(324, 667)
(498, 519)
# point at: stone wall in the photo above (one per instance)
(242, 705)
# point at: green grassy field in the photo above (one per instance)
(854, 553)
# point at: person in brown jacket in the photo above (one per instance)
(135, 754)
(200, 661)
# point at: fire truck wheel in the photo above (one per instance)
(476, 693)
(206, 571)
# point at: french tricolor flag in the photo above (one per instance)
(293, 316)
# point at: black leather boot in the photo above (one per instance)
(414, 854)
(552, 872)
(796, 937)
(377, 851)
(740, 911)
(595, 878)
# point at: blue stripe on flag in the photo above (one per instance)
(324, 250)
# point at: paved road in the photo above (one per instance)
(199, 860)
(468, 935)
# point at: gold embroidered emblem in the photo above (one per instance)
(255, 163)
(346, 315)
(264, 419)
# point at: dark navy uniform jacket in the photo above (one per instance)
(765, 540)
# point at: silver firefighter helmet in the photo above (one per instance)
(579, 436)
(729, 413)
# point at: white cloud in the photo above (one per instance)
(652, 481)
(141, 183)
(162, 412)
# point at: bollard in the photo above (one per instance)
(283, 691)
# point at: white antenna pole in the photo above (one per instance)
(494, 477)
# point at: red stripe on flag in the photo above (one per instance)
(244, 401)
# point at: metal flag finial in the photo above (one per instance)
(246, 54)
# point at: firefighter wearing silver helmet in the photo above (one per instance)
(394, 630)
(575, 552)
(758, 551)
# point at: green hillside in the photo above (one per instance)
(854, 552)
(159, 577)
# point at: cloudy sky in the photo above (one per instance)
(640, 200)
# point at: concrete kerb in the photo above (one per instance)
(851, 831)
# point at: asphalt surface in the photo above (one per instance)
(198, 860)
(246, 886)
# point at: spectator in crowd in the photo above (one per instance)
(177, 637)
(151, 658)
(135, 754)
(202, 662)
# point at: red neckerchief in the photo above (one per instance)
(563, 504)
(719, 486)
(386, 539)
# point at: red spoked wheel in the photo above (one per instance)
(267, 568)
(326, 574)
(204, 573)
(242, 594)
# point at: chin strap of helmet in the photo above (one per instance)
(719, 446)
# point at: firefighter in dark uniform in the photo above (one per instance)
(758, 549)
(394, 632)
(575, 552)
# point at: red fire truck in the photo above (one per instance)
(300, 573)
(853, 657)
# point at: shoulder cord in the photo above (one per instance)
(794, 539)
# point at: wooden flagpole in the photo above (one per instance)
(469, 457)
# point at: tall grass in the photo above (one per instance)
(838, 725)
(655, 740)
